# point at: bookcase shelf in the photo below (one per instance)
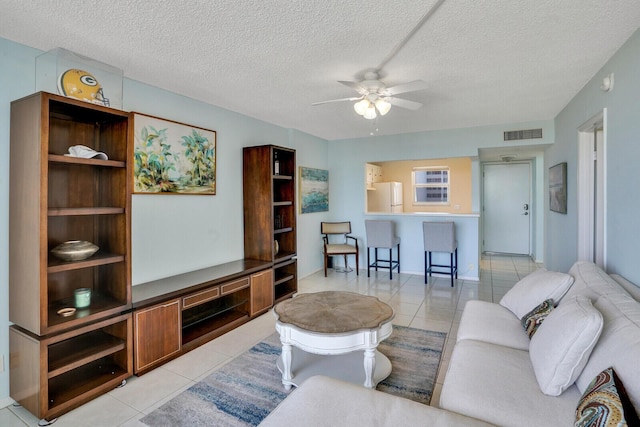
(55, 198)
(270, 213)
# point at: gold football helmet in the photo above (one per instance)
(82, 85)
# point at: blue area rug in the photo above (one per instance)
(244, 391)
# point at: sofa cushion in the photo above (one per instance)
(591, 281)
(561, 347)
(535, 288)
(619, 345)
(492, 323)
(605, 403)
(632, 289)
(497, 384)
(324, 401)
(533, 319)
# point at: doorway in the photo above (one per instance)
(506, 208)
(592, 196)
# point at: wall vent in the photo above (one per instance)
(515, 135)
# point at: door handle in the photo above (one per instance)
(525, 213)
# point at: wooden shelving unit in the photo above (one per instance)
(196, 307)
(270, 213)
(55, 374)
(285, 281)
(55, 198)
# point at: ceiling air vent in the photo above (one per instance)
(515, 135)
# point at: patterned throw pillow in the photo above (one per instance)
(534, 318)
(605, 403)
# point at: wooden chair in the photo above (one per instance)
(336, 238)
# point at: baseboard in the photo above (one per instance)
(475, 278)
(307, 275)
(7, 401)
(460, 276)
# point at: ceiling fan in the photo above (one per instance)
(376, 96)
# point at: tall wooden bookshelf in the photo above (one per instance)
(61, 360)
(270, 213)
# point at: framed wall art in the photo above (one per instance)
(172, 158)
(314, 190)
(558, 188)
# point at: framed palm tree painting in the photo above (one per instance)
(172, 158)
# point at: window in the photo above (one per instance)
(430, 185)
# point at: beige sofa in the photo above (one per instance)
(491, 376)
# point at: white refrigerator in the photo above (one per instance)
(386, 197)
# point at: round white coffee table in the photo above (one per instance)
(322, 332)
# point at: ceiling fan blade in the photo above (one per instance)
(407, 87)
(403, 103)
(354, 98)
(355, 85)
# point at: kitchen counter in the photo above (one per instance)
(438, 214)
(409, 229)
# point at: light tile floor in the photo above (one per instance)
(436, 307)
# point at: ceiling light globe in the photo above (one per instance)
(361, 106)
(383, 106)
(370, 112)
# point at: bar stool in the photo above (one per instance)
(381, 235)
(440, 237)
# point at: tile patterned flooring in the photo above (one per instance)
(436, 307)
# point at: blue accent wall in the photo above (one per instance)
(622, 174)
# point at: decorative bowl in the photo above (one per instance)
(74, 250)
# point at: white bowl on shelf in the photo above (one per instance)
(74, 250)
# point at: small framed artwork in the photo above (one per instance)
(558, 188)
(314, 190)
(172, 158)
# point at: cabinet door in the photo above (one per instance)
(369, 174)
(157, 334)
(261, 292)
(377, 174)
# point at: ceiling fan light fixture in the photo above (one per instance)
(370, 112)
(361, 106)
(383, 106)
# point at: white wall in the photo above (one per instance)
(623, 152)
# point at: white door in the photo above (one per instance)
(507, 208)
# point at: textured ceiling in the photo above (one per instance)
(485, 61)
